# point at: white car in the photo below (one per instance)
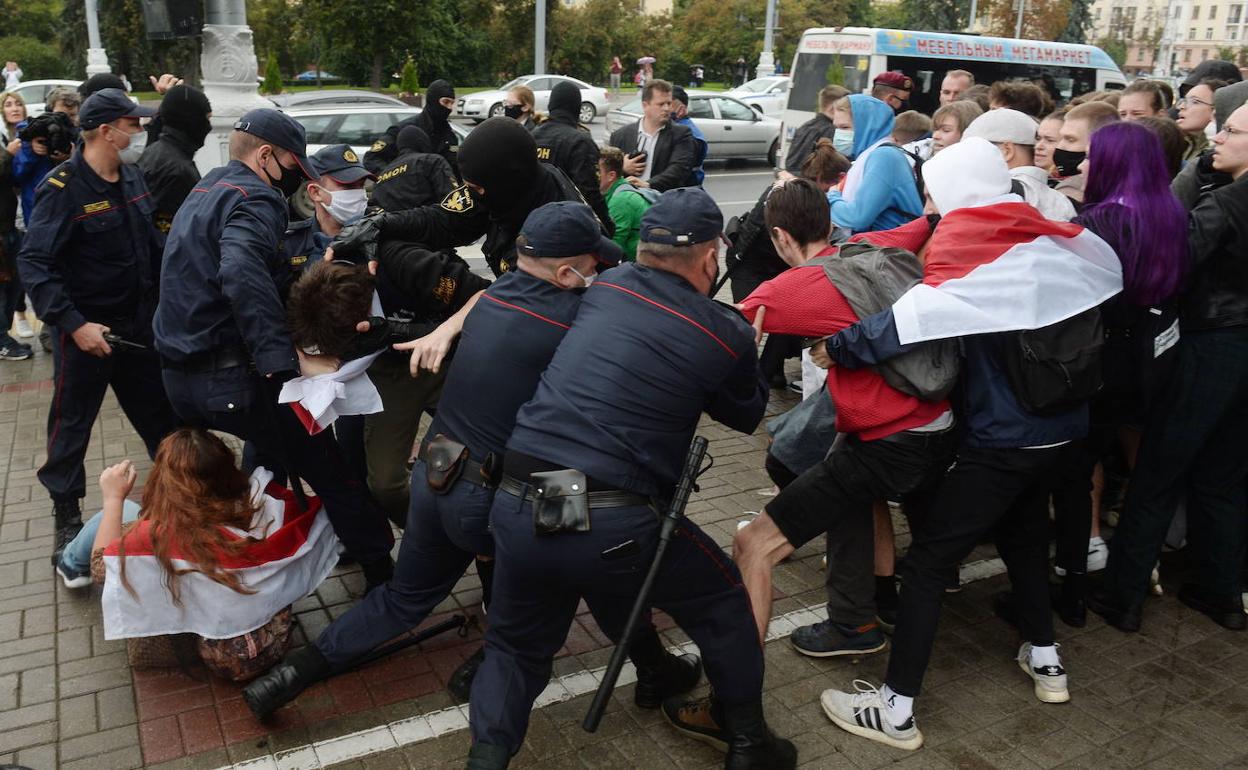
(489, 104)
(35, 93)
(732, 130)
(768, 95)
(357, 125)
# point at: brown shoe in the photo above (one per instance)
(701, 719)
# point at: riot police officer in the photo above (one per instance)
(574, 515)
(221, 329)
(90, 262)
(563, 142)
(503, 182)
(337, 197)
(168, 164)
(417, 177)
(434, 120)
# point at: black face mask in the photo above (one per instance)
(513, 111)
(1067, 161)
(290, 181)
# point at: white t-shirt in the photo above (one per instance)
(12, 78)
(646, 143)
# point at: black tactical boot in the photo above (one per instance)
(68, 515)
(674, 675)
(483, 756)
(460, 683)
(751, 744)
(283, 683)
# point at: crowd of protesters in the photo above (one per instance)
(1018, 321)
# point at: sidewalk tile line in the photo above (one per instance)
(423, 727)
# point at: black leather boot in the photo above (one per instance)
(1122, 616)
(283, 683)
(460, 683)
(68, 515)
(674, 675)
(751, 744)
(483, 756)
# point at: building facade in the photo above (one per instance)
(1170, 37)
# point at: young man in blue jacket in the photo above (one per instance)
(879, 192)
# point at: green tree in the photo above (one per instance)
(272, 76)
(589, 35)
(38, 60)
(890, 16)
(1228, 53)
(1117, 49)
(409, 83)
(1079, 22)
(937, 15)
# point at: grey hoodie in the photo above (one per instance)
(1186, 186)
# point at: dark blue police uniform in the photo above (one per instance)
(92, 254)
(221, 331)
(620, 401)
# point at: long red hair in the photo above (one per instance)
(194, 490)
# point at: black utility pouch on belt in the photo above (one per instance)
(444, 461)
(560, 502)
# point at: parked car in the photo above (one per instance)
(358, 126)
(732, 129)
(35, 93)
(489, 104)
(310, 75)
(767, 95)
(330, 97)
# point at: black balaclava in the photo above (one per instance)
(413, 138)
(500, 156)
(186, 109)
(437, 90)
(565, 102)
(99, 83)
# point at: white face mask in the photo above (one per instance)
(133, 150)
(345, 205)
(588, 279)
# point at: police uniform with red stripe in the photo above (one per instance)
(92, 254)
(647, 354)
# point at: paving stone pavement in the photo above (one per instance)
(1175, 695)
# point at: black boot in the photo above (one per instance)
(1122, 616)
(283, 683)
(1070, 604)
(68, 515)
(460, 683)
(1226, 611)
(751, 744)
(675, 675)
(483, 756)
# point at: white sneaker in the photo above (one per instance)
(1050, 681)
(23, 328)
(864, 713)
(1098, 554)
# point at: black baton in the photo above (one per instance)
(675, 512)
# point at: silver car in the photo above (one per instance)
(731, 128)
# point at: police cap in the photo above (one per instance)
(281, 130)
(682, 217)
(108, 105)
(340, 163)
(565, 229)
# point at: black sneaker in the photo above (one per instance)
(15, 352)
(68, 514)
(828, 640)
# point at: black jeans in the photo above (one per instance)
(836, 496)
(1193, 442)
(1003, 488)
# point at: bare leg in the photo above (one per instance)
(1098, 493)
(757, 549)
(885, 551)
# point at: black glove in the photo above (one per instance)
(383, 332)
(358, 241)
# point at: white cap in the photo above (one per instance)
(1004, 125)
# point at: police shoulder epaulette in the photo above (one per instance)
(60, 176)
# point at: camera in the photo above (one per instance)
(55, 127)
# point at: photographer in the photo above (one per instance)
(46, 140)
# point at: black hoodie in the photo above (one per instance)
(433, 120)
(567, 145)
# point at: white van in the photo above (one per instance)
(853, 56)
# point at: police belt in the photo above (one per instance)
(482, 474)
(210, 361)
(607, 498)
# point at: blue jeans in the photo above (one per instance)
(76, 558)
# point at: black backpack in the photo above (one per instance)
(918, 173)
(1056, 367)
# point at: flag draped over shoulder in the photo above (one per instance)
(1005, 267)
(294, 551)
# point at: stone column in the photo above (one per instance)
(228, 63)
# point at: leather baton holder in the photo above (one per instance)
(444, 461)
(560, 502)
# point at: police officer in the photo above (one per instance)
(417, 177)
(337, 197)
(434, 120)
(563, 142)
(508, 338)
(221, 328)
(168, 164)
(90, 262)
(579, 450)
(503, 182)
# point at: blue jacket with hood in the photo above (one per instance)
(887, 196)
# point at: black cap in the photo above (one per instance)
(278, 129)
(682, 217)
(340, 163)
(108, 105)
(681, 95)
(566, 229)
(98, 82)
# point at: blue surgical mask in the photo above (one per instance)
(843, 141)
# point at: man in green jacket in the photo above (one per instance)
(625, 203)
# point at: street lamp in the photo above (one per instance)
(97, 59)
(767, 59)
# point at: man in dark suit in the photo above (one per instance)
(658, 153)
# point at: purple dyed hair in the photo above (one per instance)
(1127, 201)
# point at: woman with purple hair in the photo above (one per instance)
(1128, 203)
